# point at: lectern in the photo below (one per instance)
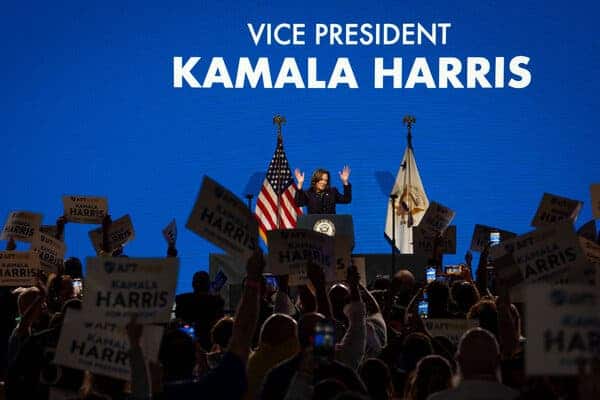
(329, 224)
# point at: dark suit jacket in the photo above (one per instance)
(324, 202)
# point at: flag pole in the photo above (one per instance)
(249, 200)
(408, 120)
(278, 120)
(393, 198)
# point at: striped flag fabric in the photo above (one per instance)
(275, 205)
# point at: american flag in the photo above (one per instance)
(277, 193)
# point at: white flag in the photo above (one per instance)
(411, 203)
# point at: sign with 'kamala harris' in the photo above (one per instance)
(550, 254)
(453, 329)
(120, 232)
(120, 287)
(436, 219)
(102, 347)
(555, 208)
(220, 217)
(291, 249)
(85, 209)
(18, 268)
(424, 245)
(50, 250)
(563, 328)
(21, 225)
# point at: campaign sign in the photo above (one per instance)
(549, 254)
(563, 327)
(51, 252)
(223, 219)
(21, 225)
(291, 249)
(436, 219)
(595, 192)
(18, 268)
(85, 209)
(592, 252)
(61, 394)
(453, 329)
(120, 232)
(51, 230)
(555, 208)
(119, 287)
(481, 236)
(101, 347)
(423, 244)
(170, 232)
(507, 271)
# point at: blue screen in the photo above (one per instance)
(89, 107)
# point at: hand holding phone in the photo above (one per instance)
(324, 340)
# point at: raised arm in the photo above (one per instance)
(247, 312)
(300, 198)
(299, 178)
(346, 197)
(317, 278)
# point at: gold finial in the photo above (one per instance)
(409, 120)
(279, 120)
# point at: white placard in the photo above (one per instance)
(549, 254)
(453, 329)
(223, 219)
(51, 252)
(120, 232)
(61, 394)
(554, 209)
(101, 347)
(595, 193)
(423, 245)
(119, 287)
(21, 225)
(18, 268)
(563, 326)
(481, 236)
(85, 209)
(436, 219)
(291, 249)
(170, 232)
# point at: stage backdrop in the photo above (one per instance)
(88, 106)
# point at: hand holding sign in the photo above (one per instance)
(60, 228)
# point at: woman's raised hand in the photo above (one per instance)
(299, 177)
(345, 174)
